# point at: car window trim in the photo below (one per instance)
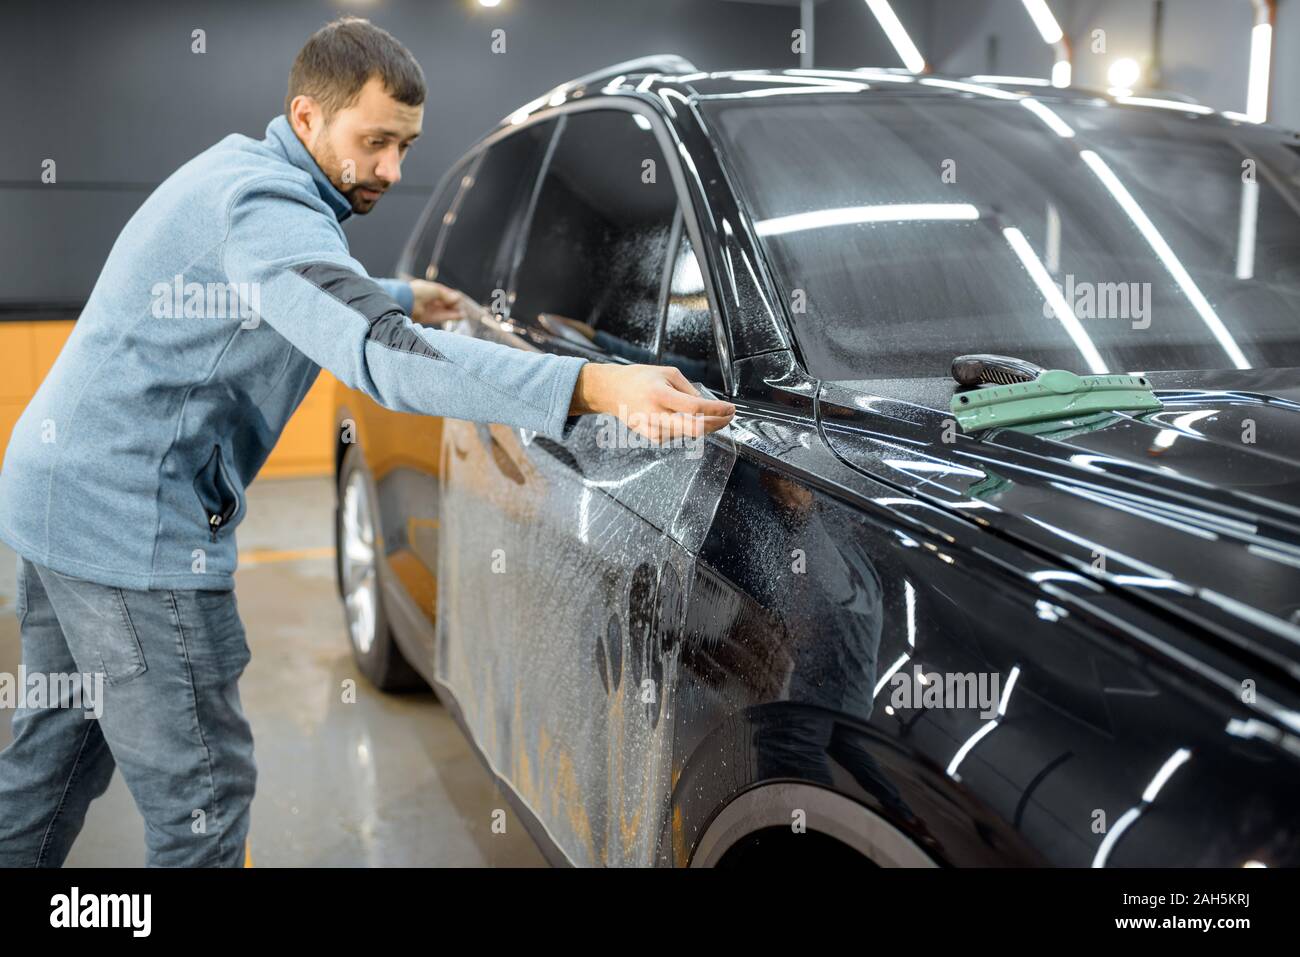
(457, 201)
(519, 240)
(668, 146)
(406, 261)
(666, 281)
(521, 243)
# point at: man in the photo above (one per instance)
(125, 476)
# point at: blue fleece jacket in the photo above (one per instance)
(222, 299)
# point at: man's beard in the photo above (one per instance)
(333, 168)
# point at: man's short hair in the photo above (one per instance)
(339, 58)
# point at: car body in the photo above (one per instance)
(703, 656)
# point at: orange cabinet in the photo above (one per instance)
(28, 349)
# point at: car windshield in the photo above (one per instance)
(906, 229)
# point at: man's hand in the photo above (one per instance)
(655, 401)
(435, 303)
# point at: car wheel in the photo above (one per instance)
(360, 571)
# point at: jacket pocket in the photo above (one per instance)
(216, 493)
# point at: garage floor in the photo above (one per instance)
(386, 781)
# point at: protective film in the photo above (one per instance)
(563, 581)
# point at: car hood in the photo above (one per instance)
(1194, 509)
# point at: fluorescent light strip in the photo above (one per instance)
(850, 215)
(1006, 692)
(1011, 80)
(992, 91)
(1108, 842)
(853, 75)
(803, 79)
(1127, 819)
(1175, 761)
(987, 728)
(1053, 250)
(1261, 47)
(1052, 293)
(1062, 73)
(909, 595)
(1246, 225)
(893, 670)
(893, 27)
(1167, 257)
(1048, 116)
(1176, 105)
(1047, 26)
(787, 91)
(875, 75)
(965, 749)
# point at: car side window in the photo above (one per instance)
(480, 226)
(688, 340)
(598, 242)
(420, 261)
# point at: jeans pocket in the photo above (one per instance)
(97, 624)
(215, 642)
(116, 640)
(20, 592)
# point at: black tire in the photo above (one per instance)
(379, 658)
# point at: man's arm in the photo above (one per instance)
(656, 401)
(321, 300)
(401, 291)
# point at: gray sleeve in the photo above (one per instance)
(320, 299)
(401, 291)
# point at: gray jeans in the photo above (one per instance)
(142, 680)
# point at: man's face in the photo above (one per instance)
(361, 147)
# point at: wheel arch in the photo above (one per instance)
(828, 813)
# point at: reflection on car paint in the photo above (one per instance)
(586, 605)
(1123, 579)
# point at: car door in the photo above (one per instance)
(461, 241)
(402, 449)
(565, 564)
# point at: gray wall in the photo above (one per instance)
(846, 35)
(959, 42)
(1205, 49)
(113, 94)
(1286, 65)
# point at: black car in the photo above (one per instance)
(902, 611)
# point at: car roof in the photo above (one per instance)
(653, 77)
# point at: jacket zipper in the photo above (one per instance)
(221, 483)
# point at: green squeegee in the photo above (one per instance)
(1054, 394)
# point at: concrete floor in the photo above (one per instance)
(386, 781)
